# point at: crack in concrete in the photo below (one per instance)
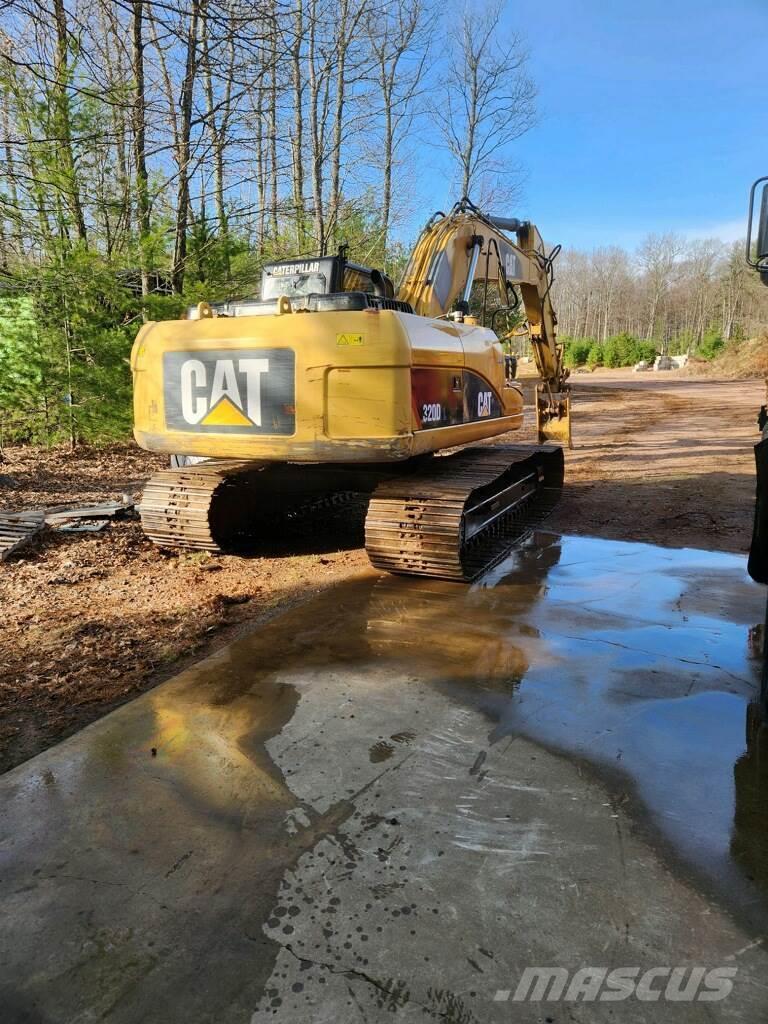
(656, 654)
(395, 996)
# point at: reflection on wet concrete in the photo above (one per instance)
(387, 800)
(637, 662)
(749, 839)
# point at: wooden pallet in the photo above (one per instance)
(17, 528)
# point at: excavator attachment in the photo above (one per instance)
(470, 247)
(553, 419)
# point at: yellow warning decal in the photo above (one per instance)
(350, 339)
(226, 414)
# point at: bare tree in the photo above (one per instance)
(184, 153)
(486, 101)
(319, 67)
(297, 141)
(140, 141)
(62, 117)
(657, 256)
(398, 34)
(218, 114)
(610, 268)
(698, 270)
(350, 67)
(688, 290)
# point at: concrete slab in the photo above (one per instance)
(387, 803)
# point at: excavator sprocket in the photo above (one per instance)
(459, 516)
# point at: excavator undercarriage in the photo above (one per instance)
(449, 517)
(457, 518)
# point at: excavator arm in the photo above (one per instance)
(465, 246)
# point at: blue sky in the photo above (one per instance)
(653, 117)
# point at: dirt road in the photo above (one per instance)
(89, 621)
(662, 459)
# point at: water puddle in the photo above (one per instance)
(631, 658)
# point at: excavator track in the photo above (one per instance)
(458, 517)
(229, 505)
(188, 507)
(451, 518)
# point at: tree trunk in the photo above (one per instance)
(184, 154)
(297, 143)
(111, 30)
(386, 187)
(316, 134)
(139, 143)
(273, 166)
(469, 147)
(261, 189)
(61, 104)
(338, 117)
(216, 131)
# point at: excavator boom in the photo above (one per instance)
(456, 251)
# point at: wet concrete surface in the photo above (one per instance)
(387, 802)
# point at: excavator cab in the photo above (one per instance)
(317, 284)
(325, 275)
(299, 278)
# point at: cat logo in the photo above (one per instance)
(484, 403)
(225, 391)
(232, 398)
(292, 269)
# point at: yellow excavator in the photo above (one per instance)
(330, 384)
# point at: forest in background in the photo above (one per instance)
(670, 296)
(156, 152)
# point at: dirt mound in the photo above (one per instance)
(741, 360)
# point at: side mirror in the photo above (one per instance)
(760, 260)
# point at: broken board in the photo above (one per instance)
(108, 510)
